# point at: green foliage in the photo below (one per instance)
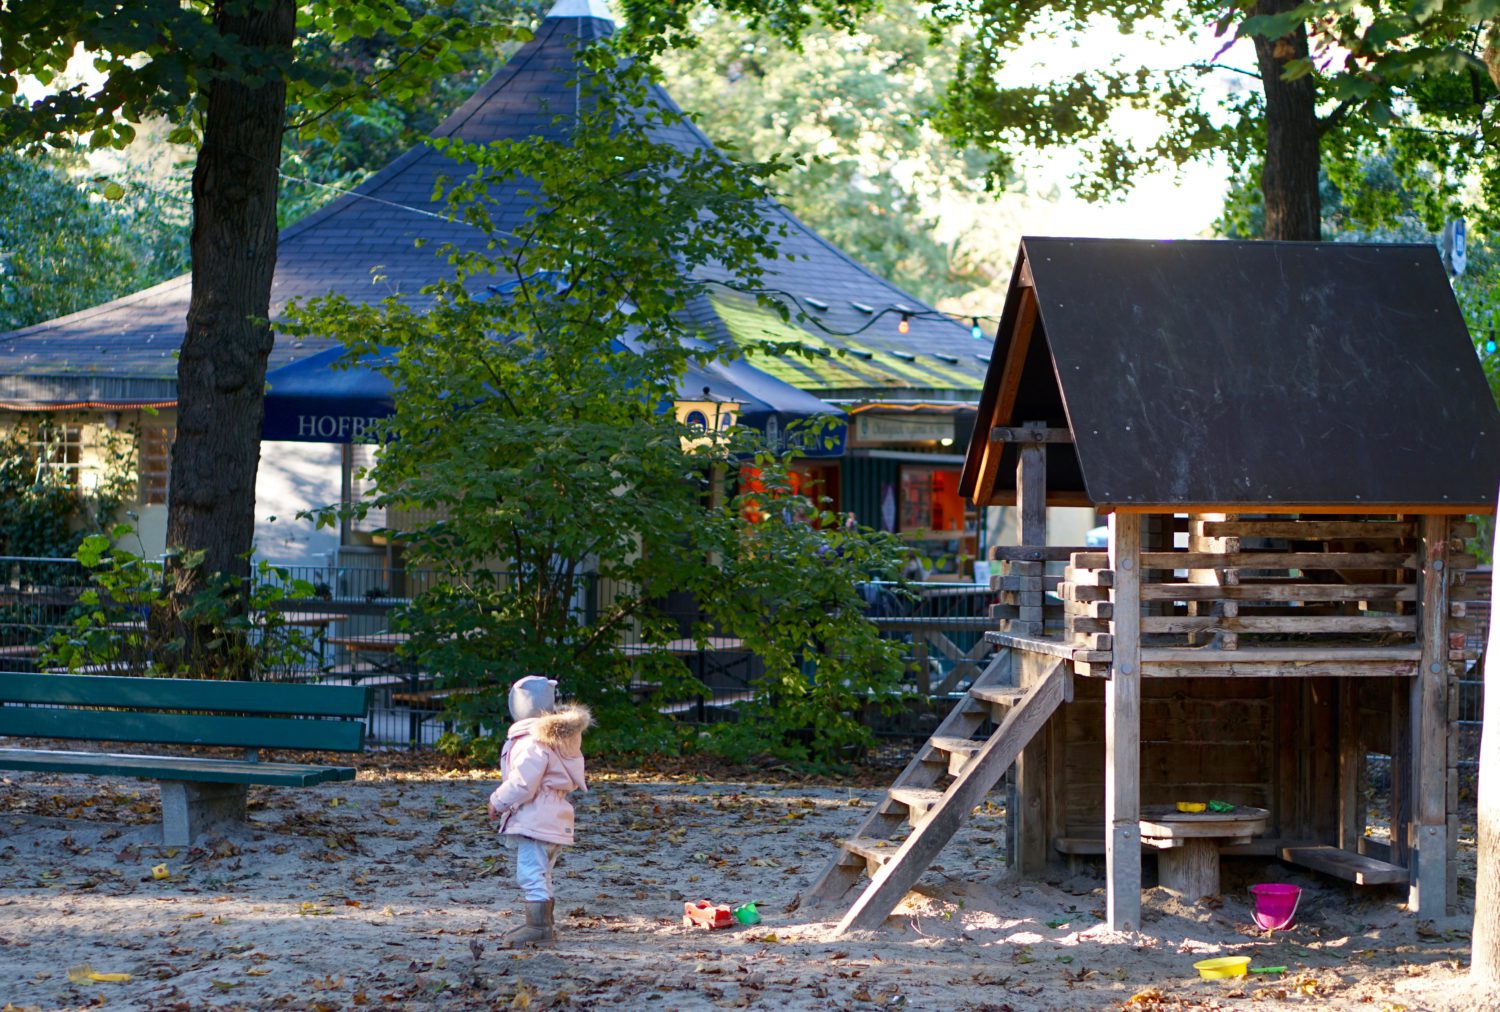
(158, 59)
(43, 511)
(111, 624)
(529, 420)
(789, 589)
(66, 245)
(855, 107)
(334, 148)
(1402, 79)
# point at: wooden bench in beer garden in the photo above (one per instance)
(197, 792)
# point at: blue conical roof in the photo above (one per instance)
(363, 246)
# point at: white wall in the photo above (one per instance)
(293, 477)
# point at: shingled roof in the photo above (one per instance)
(363, 246)
(1247, 376)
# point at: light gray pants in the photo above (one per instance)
(534, 861)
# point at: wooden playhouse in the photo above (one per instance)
(1285, 438)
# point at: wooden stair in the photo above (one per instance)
(921, 801)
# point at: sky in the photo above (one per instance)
(1163, 205)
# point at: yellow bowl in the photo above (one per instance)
(1191, 806)
(1223, 966)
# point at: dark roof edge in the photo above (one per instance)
(968, 481)
(1257, 243)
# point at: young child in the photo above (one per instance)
(542, 763)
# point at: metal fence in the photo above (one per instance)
(347, 632)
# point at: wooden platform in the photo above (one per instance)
(1247, 662)
(1356, 868)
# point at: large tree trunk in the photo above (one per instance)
(1289, 177)
(222, 369)
(1485, 967)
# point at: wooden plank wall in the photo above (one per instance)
(1274, 743)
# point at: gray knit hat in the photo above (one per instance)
(532, 696)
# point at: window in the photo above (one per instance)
(156, 463)
(58, 450)
(930, 500)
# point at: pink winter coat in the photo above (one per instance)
(542, 763)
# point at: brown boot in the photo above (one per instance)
(536, 931)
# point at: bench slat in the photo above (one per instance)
(184, 694)
(221, 771)
(181, 728)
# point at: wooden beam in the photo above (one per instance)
(1356, 508)
(1429, 714)
(1278, 560)
(1280, 623)
(1226, 664)
(1028, 838)
(1309, 530)
(1051, 648)
(1122, 732)
(1034, 551)
(1308, 654)
(1010, 385)
(1031, 432)
(1199, 541)
(1280, 592)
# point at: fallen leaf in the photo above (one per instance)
(84, 974)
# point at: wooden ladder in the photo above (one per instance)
(935, 812)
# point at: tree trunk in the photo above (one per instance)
(222, 369)
(1485, 964)
(1289, 177)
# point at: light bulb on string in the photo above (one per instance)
(904, 327)
(974, 330)
(1489, 346)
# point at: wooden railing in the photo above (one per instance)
(1310, 584)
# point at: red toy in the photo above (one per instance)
(705, 915)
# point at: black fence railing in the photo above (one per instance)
(346, 631)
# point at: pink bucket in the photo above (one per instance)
(1275, 905)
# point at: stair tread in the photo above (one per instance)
(872, 847)
(1008, 695)
(944, 743)
(919, 795)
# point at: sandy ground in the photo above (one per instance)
(390, 892)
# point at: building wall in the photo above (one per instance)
(292, 477)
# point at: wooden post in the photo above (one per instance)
(1122, 730)
(1031, 508)
(1351, 769)
(1199, 542)
(1429, 731)
(1027, 808)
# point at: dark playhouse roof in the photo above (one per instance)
(1250, 375)
(362, 246)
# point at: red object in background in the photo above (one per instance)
(705, 915)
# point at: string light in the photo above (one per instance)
(1489, 346)
(974, 329)
(904, 326)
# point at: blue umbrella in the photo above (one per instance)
(315, 400)
(319, 400)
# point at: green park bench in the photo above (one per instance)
(196, 792)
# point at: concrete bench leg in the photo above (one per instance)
(1191, 870)
(189, 809)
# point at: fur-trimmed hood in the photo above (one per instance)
(561, 730)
